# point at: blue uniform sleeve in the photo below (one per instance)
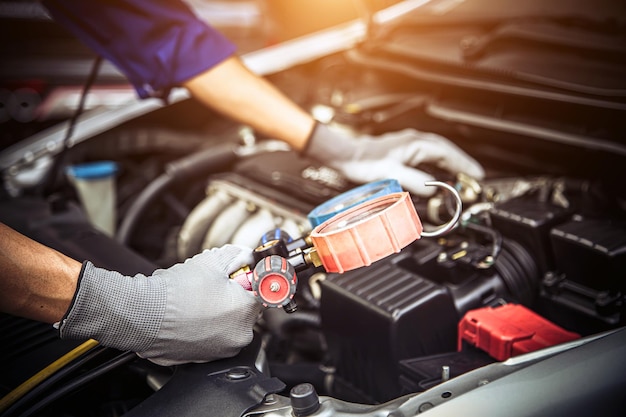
(156, 44)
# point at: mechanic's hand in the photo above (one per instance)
(190, 312)
(393, 155)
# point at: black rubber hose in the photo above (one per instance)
(79, 382)
(46, 385)
(299, 320)
(519, 272)
(209, 160)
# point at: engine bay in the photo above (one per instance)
(546, 230)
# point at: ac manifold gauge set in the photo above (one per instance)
(351, 230)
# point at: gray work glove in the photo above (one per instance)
(394, 155)
(190, 312)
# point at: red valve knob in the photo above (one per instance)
(274, 281)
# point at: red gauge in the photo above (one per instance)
(274, 281)
(367, 232)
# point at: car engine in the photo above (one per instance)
(544, 232)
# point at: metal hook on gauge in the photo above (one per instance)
(457, 210)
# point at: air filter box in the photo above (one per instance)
(375, 316)
(403, 306)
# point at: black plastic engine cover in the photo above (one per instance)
(228, 388)
(592, 253)
(587, 290)
(295, 176)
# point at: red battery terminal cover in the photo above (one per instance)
(509, 330)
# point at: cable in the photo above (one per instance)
(95, 69)
(496, 239)
(56, 170)
(119, 360)
(45, 373)
(49, 383)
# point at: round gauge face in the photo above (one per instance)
(351, 198)
(360, 213)
(355, 198)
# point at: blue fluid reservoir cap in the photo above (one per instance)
(351, 198)
(93, 170)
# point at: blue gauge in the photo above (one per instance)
(351, 198)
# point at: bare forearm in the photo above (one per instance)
(37, 282)
(236, 92)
